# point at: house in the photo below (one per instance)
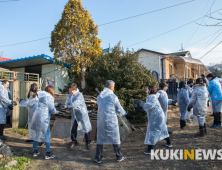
(163, 66)
(44, 66)
(4, 59)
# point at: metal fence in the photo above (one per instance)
(19, 88)
(13, 76)
(173, 85)
(174, 80)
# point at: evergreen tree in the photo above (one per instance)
(130, 77)
(74, 39)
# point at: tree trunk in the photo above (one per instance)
(83, 80)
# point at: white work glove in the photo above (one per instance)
(70, 106)
(57, 112)
(56, 104)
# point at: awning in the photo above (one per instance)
(29, 61)
(195, 63)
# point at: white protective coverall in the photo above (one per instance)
(107, 121)
(156, 129)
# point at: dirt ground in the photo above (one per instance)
(133, 147)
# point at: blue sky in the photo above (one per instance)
(27, 20)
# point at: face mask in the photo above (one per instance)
(166, 89)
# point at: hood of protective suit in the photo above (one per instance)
(216, 79)
(158, 93)
(43, 96)
(199, 85)
(1, 86)
(105, 92)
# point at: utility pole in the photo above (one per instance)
(182, 48)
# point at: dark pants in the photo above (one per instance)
(217, 118)
(117, 150)
(1, 129)
(8, 119)
(74, 133)
(152, 146)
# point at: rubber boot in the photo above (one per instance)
(219, 118)
(184, 123)
(201, 131)
(148, 151)
(215, 121)
(150, 147)
(215, 118)
(181, 124)
(205, 129)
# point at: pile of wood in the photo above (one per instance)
(91, 105)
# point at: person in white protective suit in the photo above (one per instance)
(205, 79)
(183, 102)
(163, 98)
(40, 106)
(198, 102)
(215, 92)
(190, 90)
(107, 121)
(5, 104)
(76, 103)
(156, 129)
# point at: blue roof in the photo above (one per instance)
(107, 50)
(29, 61)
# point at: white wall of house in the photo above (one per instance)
(151, 61)
(59, 75)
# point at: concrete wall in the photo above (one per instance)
(22, 69)
(62, 78)
(151, 61)
(60, 75)
(180, 70)
(169, 65)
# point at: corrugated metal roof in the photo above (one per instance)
(179, 60)
(183, 53)
(4, 59)
(191, 60)
(29, 61)
(151, 51)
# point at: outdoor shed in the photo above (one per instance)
(42, 65)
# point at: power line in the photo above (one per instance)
(203, 38)
(200, 23)
(109, 22)
(208, 44)
(9, 0)
(172, 29)
(146, 13)
(211, 50)
(25, 42)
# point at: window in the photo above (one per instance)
(171, 69)
(188, 73)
